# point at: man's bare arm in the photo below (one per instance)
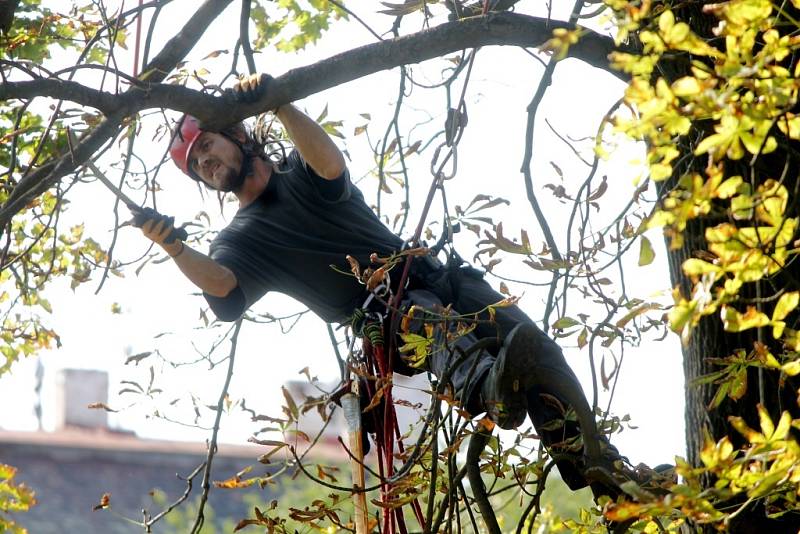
(213, 278)
(313, 143)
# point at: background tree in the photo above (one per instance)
(712, 92)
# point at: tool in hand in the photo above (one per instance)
(178, 233)
(352, 414)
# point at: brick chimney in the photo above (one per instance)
(75, 390)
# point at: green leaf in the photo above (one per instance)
(565, 322)
(582, 338)
(720, 395)
(646, 252)
(697, 267)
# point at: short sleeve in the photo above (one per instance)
(335, 190)
(248, 290)
(228, 308)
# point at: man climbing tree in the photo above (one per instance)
(713, 88)
(300, 221)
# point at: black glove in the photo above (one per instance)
(141, 216)
(251, 88)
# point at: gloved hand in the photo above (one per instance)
(158, 228)
(250, 88)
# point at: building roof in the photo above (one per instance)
(71, 469)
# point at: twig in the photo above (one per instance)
(212, 446)
(244, 36)
(148, 523)
(544, 83)
(535, 501)
(352, 14)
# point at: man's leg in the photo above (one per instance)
(470, 295)
(448, 346)
(548, 409)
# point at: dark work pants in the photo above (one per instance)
(468, 293)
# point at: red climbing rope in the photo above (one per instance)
(377, 361)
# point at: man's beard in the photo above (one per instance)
(233, 180)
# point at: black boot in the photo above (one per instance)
(504, 390)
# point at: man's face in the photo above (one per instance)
(217, 161)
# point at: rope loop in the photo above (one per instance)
(452, 152)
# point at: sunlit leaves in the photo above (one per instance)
(14, 497)
(678, 36)
(742, 15)
(289, 25)
(416, 349)
(559, 44)
(735, 321)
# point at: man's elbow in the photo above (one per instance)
(335, 167)
(221, 286)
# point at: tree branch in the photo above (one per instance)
(503, 29)
(174, 51)
(507, 29)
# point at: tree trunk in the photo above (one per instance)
(709, 340)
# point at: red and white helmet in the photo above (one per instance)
(182, 142)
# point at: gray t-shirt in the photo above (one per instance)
(288, 239)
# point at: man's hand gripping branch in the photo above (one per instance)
(314, 144)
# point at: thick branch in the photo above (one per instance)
(507, 29)
(61, 90)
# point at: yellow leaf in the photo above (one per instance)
(419, 346)
(686, 86)
(767, 427)
(784, 424)
(697, 267)
(666, 21)
(791, 368)
(646, 252)
(785, 305)
(729, 187)
(751, 435)
(790, 124)
(733, 321)
(774, 198)
(777, 329)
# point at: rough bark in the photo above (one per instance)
(709, 340)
